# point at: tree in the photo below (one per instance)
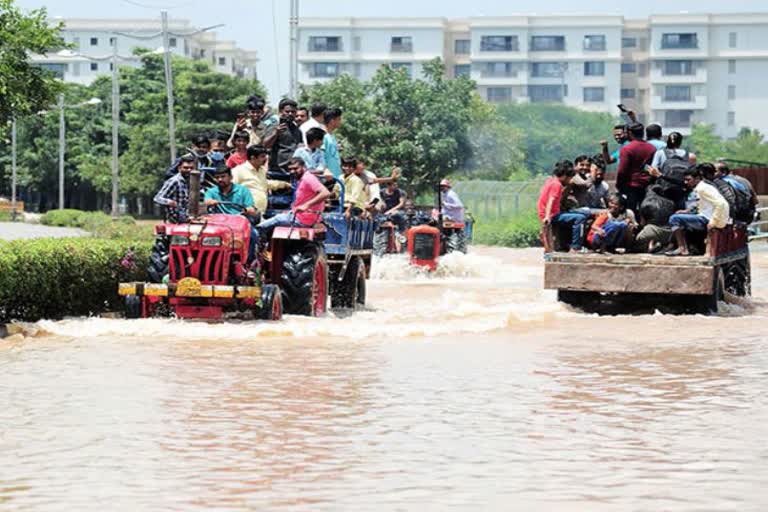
(705, 143)
(420, 125)
(24, 87)
(749, 145)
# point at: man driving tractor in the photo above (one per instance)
(233, 199)
(453, 208)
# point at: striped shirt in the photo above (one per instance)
(174, 189)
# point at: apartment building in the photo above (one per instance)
(676, 70)
(97, 37)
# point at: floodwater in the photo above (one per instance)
(471, 390)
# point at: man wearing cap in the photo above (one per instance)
(453, 208)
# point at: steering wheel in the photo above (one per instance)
(217, 207)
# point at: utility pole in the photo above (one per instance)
(61, 151)
(115, 127)
(294, 48)
(13, 169)
(169, 84)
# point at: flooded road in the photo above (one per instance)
(473, 390)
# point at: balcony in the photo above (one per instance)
(659, 76)
(697, 102)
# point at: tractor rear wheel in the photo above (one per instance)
(158, 260)
(304, 281)
(350, 293)
(381, 242)
(271, 303)
(456, 242)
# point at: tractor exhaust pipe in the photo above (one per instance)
(194, 194)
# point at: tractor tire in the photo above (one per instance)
(271, 303)
(708, 304)
(304, 281)
(456, 242)
(133, 307)
(158, 260)
(381, 242)
(350, 293)
(585, 301)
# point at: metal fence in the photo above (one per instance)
(491, 200)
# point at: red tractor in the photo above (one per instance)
(200, 269)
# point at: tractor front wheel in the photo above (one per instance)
(271, 303)
(351, 291)
(133, 307)
(158, 260)
(304, 281)
(456, 242)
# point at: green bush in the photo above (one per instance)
(99, 224)
(52, 279)
(518, 231)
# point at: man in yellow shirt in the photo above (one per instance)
(355, 198)
(253, 175)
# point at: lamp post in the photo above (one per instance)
(13, 169)
(294, 48)
(62, 140)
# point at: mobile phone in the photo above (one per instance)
(623, 108)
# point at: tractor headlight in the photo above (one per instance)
(179, 240)
(212, 241)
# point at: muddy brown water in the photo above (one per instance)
(471, 390)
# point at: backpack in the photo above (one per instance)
(672, 178)
(655, 208)
(742, 209)
(727, 191)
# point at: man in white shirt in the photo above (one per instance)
(713, 212)
(253, 175)
(317, 111)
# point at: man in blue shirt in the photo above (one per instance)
(312, 153)
(228, 197)
(330, 146)
(653, 136)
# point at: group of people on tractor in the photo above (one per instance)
(664, 202)
(293, 152)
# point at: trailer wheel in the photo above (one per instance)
(736, 279)
(304, 281)
(158, 260)
(457, 242)
(133, 306)
(271, 303)
(350, 293)
(707, 304)
(579, 299)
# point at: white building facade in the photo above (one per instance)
(96, 38)
(676, 70)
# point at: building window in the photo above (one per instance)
(462, 46)
(222, 61)
(94, 41)
(324, 69)
(679, 41)
(678, 118)
(628, 42)
(594, 68)
(94, 66)
(594, 94)
(732, 39)
(111, 66)
(642, 69)
(172, 42)
(673, 93)
(202, 53)
(499, 44)
(402, 44)
(548, 69)
(731, 92)
(356, 44)
(462, 70)
(498, 69)
(679, 67)
(112, 41)
(499, 94)
(58, 70)
(547, 43)
(627, 94)
(732, 66)
(594, 43)
(325, 44)
(628, 67)
(407, 66)
(546, 93)
(731, 118)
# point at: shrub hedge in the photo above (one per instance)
(51, 279)
(519, 231)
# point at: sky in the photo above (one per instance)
(251, 22)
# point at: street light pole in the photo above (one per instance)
(294, 48)
(169, 84)
(62, 141)
(115, 127)
(13, 168)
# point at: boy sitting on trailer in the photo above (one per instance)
(611, 228)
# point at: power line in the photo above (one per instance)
(147, 6)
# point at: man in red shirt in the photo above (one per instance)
(240, 155)
(549, 205)
(632, 178)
